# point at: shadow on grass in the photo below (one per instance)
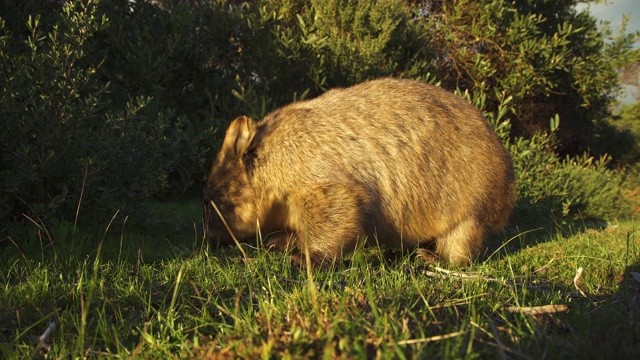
(160, 231)
(173, 229)
(534, 223)
(610, 323)
(603, 315)
(614, 320)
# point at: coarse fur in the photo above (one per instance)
(401, 162)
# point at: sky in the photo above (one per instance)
(612, 11)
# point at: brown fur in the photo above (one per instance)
(404, 163)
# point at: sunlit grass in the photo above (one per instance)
(132, 291)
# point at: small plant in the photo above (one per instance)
(64, 144)
(153, 296)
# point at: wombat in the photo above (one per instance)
(406, 164)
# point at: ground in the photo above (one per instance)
(150, 287)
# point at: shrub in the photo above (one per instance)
(578, 187)
(114, 102)
(370, 39)
(620, 135)
(63, 145)
(551, 58)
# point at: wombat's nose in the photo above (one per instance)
(218, 239)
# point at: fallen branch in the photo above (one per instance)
(575, 282)
(431, 338)
(42, 340)
(537, 310)
(440, 271)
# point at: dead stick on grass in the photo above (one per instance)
(42, 340)
(576, 279)
(537, 310)
(456, 274)
(431, 338)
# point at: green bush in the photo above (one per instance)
(115, 102)
(578, 187)
(63, 144)
(551, 58)
(178, 54)
(620, 135)
(369, 39)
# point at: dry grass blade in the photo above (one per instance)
(508, 241)
(235, 240)
(84, 181)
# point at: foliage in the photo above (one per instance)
(620, 135)
(63, 145)
(623, 133)
(370, 39)
(292, 48)
(104, 104)
(552, 186)
(109, 103)
(175, 56)
(581, 186)
(550, 58)
(140, 297)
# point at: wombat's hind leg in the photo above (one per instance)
(461, 244)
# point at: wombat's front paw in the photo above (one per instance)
(299, 260)
(280, 241)
(427, 256)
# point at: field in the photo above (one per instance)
(117, 104)
(151, 288)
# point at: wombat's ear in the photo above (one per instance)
(238, 136)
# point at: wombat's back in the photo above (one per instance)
(425, 161)
(424, 164)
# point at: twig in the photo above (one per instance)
(459, 274)
(431, 338)
(42, 340)
(575, 281)
(537, 310)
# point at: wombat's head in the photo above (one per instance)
(229, 188)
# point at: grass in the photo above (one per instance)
(150, 288)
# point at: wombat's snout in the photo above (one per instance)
(214, 230)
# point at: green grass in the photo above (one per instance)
(151, 288)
